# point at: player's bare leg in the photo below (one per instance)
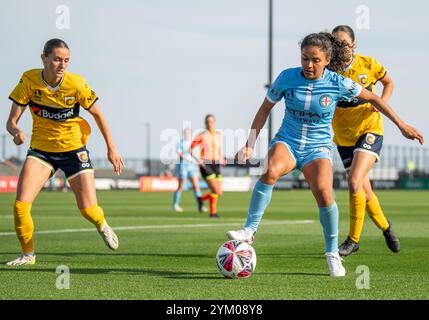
(279, 162)
(176, 200)
(197, 191)
(83, 186)
(33, 176)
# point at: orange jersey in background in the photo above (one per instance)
(210, 145)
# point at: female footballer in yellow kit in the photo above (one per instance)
(358, 134)
(58, 141)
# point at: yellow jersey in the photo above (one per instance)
(57, 126)
(357, 117)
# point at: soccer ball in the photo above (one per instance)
(236, 259)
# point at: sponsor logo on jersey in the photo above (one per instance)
(91, 97)
(325, 100)
(83, 156)
(370, 138)
(306, 116)
(53, 113)
(363, 78)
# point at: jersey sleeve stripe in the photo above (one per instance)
(382, 77)
(20, 104)
(90, 106)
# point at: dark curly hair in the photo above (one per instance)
(334, 49)
(346, 29)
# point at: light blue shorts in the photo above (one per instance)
(305, 156)
(185, 171)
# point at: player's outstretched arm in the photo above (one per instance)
(258, 123)
(12, 124)
(112, 154)
(408, 131)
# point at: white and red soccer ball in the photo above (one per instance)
(236, 259)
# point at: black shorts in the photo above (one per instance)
(72, 163)
(369, 142)
(210, 171)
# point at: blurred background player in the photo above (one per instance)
(187, 169)
(304, 140)
(58, 141)
(211, 158)
(358, 134)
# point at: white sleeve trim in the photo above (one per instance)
(360, 91)
(271, 100)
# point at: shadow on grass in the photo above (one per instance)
(152, 272)
(157, 273)
(167, 255)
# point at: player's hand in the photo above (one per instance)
(223, 161)
(115, 159)
(243, 155)
(411, 133)
(19, 138)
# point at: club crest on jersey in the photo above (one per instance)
(38, 95)
(370, 138)
(325, 100)
(83, 156)
(69, 101)
(363, 78)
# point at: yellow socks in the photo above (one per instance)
(94, 215)
(357, 203)
(24, 226)
(376, 213)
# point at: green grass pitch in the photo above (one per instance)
(168, 255)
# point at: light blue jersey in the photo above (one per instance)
(187, 166)
(310, 106)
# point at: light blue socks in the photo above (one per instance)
(261, 197)
(329, 221)
(176, 198)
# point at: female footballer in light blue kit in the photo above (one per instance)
(304, 140)
(186, 169)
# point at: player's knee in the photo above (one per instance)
(354, 183)
(324, 197)
(368, 195)
(271, 175)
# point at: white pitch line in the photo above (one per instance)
(166, 226)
